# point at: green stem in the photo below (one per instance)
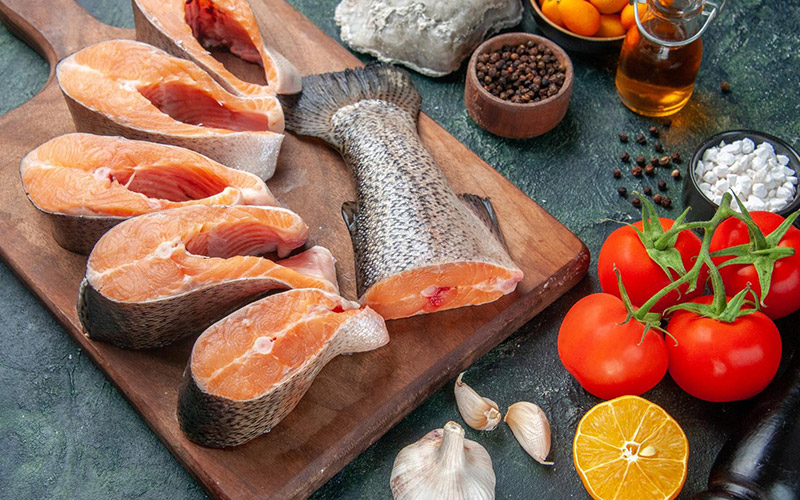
(703, 257)
(756, 236)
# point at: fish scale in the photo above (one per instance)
(407, 221)
(407, 214)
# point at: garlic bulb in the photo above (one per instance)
(443, 466)
(531, 428)
(482, 414)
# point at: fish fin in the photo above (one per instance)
(484, 210)
(350, 215)
(310, 111)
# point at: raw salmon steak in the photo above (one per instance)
(86, 184)
(158, 277)
(128, 88)
(190, 28)
(250, 369)
(419, 247)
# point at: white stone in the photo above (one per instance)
(725, 158)
(783, 160)
(720, 171)
(759, 190)
(744, 184)
(776, 204)
(783, 193)
(709, 177)
(748, 145)
(754, 203)
(791, 179)
(710, 154)
(699, 170)
(733, 148)
(723, 185)
(758, 162)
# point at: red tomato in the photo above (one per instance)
(718, 361)
(641, 276)
(604, 355)
(784, 292)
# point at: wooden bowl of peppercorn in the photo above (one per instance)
(518, 85)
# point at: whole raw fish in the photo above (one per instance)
(418, 246)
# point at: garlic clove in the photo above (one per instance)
(443, 466)
(482, 414)
(531, 428)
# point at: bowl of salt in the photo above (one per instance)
(760, 169)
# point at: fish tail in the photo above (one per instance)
(310, 112)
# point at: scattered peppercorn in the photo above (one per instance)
(640, 139)
(725, 87)
(654, 161)
(625, 157)
(648, 191)
(637, 171)
(662, 185)
(521, 74)
(666, 202)
(623, 138)
(664, 161)
(654, 131)
(676, 157)
(650, 170)
(636, 202)
(622, 191)
(640, 161)
(659, 148)
(617, 173)
(657, 198)
(667, 123)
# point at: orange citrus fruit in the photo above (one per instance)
(609, 6)
(579, 16)
(626, 16)
(610, 25)
(630, 449)
(550, 10)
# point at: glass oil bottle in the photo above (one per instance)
(660, 58)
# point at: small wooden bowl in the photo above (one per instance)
(572, 41)
(516, 120)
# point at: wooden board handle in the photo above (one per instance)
(51, 27)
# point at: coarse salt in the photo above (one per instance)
(759, 177)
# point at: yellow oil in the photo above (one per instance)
(655, 80)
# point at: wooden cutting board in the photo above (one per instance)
(355, 399)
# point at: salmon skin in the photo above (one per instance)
(187, 28)
(158, 277)
(85, 184)
(128, 88)
(250, 369)
(418, 247)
